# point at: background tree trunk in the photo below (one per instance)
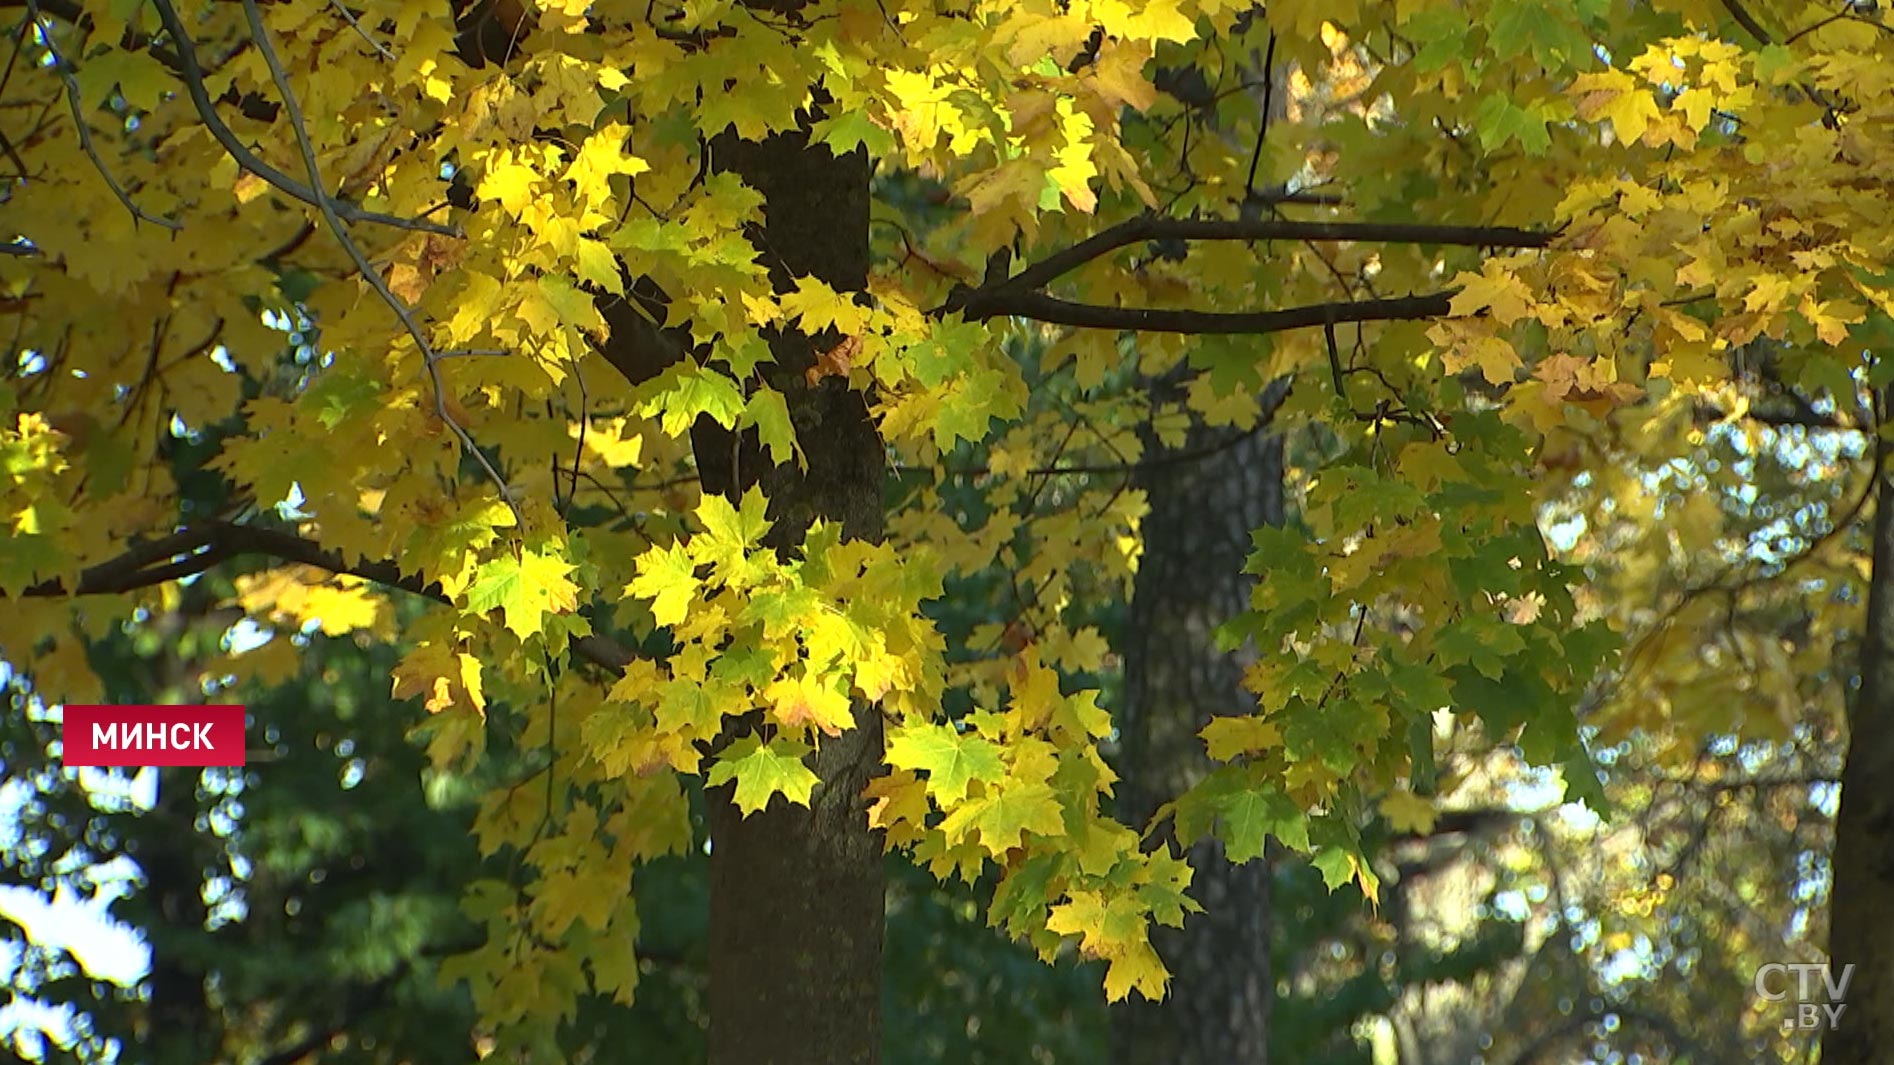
(797, 895)
(1196, 540)
(179, 1023)
(1860, 931)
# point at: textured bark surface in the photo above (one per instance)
(1190, 581)
(178, 1026)
(1861, 932)
(796, 895)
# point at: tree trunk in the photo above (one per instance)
(179, 1020)
(1860, 932)
(796, 895)
(1196, 540)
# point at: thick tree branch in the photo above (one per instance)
(122, 574)
(974, 302)
(1748, 21)
(1706, 413)
(195, 549)
(1020, 295)
(1043, 308)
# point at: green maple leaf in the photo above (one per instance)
(1164, 894)
(768, 412)
(338, 396)
(1251, 815)
(28, 558)
(1337, 866)
(845, 132)
(1499, 120)
(1019, 901)
(680, 394)
(1003, 817)
(763, 771)
(952, 760)
(470, 529)
(525, 589)
(1486, 644)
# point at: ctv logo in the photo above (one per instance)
(131, 736)
(1779, 981)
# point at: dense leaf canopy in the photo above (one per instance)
(452, 303)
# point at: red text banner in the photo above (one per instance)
(132, 736)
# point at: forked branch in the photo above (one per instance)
(191, 72)
(75, 100)
(1021, 295)
(292, 109)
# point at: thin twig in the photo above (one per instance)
(292, 109)
(76, 100)
(578, 451)
(349, 17)
(1262, 130)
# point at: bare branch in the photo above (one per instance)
(349, 17)
(292, 109)
(1705, 413)
(1262, 126)
(193, 550)
(1152, 227)
(76, 101)
(1282, 194)
(1043, 308)
(192, 74)
(1748, 21)
(124, 573)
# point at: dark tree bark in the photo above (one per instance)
(1861, 930)
(796, 895)
(1196, 540)
(178, 1020)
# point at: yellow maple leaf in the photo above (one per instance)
(441, 676)
(1074, 171)
(1616, 96)
(1462, 347)
(601, 156)
(1408, 812)
(1118, 76)
(1831, 318)
(1230, 736)
(808, 700)
(1495, 290)
(513, 184)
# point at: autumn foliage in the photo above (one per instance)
(483, 306)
